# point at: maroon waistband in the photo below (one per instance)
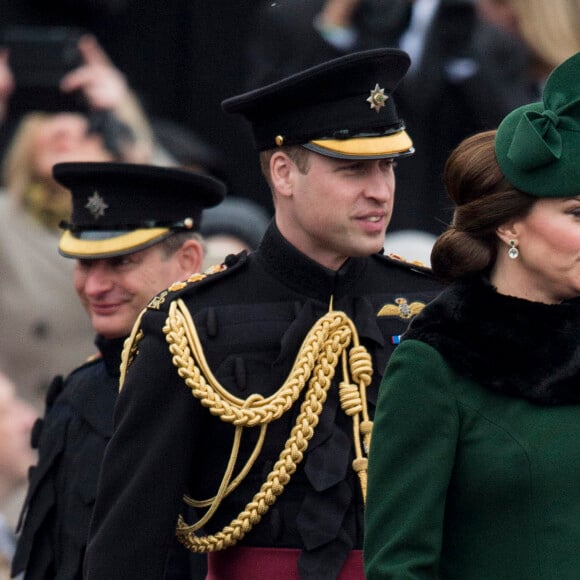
(263, 563)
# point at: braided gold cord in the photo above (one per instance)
(240, 477)
(315, 364)
(181, 333)
(130, 348)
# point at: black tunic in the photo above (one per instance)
(251, 320)
(71, 442)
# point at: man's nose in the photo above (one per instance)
(381, 183)
(98, 279)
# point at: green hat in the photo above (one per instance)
(538, 145)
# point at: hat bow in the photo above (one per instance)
(537, 140)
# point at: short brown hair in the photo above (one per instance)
(299, 155)
(171, 244)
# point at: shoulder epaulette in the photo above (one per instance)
(415, 265)
(58, 382)
(91, 360)
(213, 274)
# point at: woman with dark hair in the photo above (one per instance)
(474, 463)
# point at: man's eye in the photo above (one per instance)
(352, 167)
(120, 261)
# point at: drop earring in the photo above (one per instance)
(513, 252)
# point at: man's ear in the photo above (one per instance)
(190, 257)
(281, 170)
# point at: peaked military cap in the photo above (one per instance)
(119, 208)
(538, 145)
(341, 108)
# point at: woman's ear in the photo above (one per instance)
(507, 232)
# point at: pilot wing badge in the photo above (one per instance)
(402, 309)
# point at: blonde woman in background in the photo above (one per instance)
(550, 30)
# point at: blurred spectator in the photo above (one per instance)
(293, 34)
(174, 55)
(466, 76)
(44, 329)
(95, 87)
(187, 149)
(413, 245)
(235, 225)
(16, 457)
(550, 31)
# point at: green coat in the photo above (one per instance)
(468, 483)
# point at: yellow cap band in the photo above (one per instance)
(73, 247)
(367, 147)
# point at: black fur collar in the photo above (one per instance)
(509, 345)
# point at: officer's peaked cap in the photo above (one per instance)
(341, 108)
(119, 208)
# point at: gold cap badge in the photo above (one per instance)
(96, 205)
(377, 98)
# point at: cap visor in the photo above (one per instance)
(395, 145)
(71, 246)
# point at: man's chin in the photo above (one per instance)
(110, 328)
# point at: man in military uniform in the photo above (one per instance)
(248, 393)
(134, 230)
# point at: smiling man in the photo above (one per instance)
(133, 232)
(212, 404)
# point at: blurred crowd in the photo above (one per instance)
(472, 62)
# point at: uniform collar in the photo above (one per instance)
(111, 350)
(302, 274)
